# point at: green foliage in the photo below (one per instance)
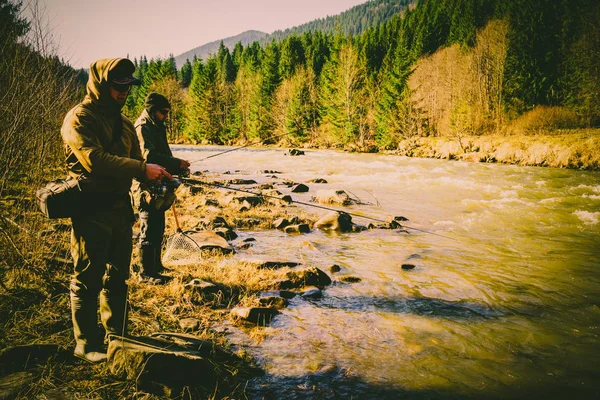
(185, 74)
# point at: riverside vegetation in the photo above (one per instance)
(447, 79)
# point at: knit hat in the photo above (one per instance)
(156, 101)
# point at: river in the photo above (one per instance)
(505, 304)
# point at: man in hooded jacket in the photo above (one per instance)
(102, 150)
(152, 134)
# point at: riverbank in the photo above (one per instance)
(579, 149)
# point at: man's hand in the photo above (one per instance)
(155, 172)
(185, 165)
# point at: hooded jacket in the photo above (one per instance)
(101, 143)
(152, 136)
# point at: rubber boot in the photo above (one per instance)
(113, 311)
(149, 266)
(88, 344)
(160, 268)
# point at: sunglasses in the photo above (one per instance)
(164, 111)
(121, 87)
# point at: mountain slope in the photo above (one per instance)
(350, 22)
(211, 48)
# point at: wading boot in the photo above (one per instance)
(85, 327)
(150, 261)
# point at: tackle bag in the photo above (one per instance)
(61, 198)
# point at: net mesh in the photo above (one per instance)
(181, 249)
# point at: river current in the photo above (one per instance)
(505, 304)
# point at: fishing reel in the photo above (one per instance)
(159, 196)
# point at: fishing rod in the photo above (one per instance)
(238, 148)
(197, 182)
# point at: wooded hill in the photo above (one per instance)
(446, 67)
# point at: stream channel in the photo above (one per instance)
(508, 306)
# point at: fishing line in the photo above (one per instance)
(197, 182)
(238, 148)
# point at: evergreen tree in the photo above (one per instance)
(292, 56)
(185, 75)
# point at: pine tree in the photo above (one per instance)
(185, 74)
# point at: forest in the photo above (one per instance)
(493, 62)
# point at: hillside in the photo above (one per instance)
(353, 21)
(350, 22)
(211, 48)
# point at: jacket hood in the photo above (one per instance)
(98, 81)
(156, 101)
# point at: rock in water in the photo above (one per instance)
(335, 221)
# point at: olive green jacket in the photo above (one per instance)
(152, 136)
(101, 143)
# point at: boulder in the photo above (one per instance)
(295, 152)
(300, 228)
(287, 294)
(273, 301)
(408, 266)
(335, 268)
(261, 264)
(311, 292)
(300, 188)
(226, 233)
(308, 277)
(256, 315)
(241, 182)
(332, 197)
(287, 198)
(281, 223)
(317, 180)
(207, 223)
(335, 221)
(208, 240)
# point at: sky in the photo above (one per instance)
(87, 30)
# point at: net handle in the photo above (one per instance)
(176, 219)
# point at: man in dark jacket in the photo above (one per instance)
(103, 150)
(152, 135)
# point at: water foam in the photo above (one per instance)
(587, 217)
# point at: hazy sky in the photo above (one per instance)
(87, 30)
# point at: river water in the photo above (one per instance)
(507, 305)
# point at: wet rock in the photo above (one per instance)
(280, 223)
(300, 188)
(208, 223)
(349, 279)
(283, 284)
(249, 240)
(295, 152)
(301, 228)
(408, 267)
(308, 277)
(266, 186)
(332, 197)
(273, 301)
(207, 240)
(358, 228)
(248, 222)
(11, 385)
(317, 180)
(268, 171)
(256, 315)
(335, 268)
(287, 198)
(241, 182)
(400, 219)
(226, 233)
(335, 221)
(261, 264)
(311, 292)
(245, 246)
(287, 294)
(189, 324)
